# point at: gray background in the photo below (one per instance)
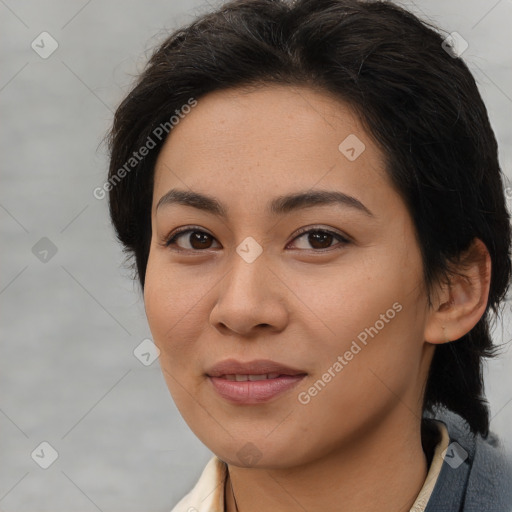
(70, 324)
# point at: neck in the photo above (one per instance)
(385, 470)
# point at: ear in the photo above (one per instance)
(461, 302)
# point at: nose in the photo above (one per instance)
(251, 297)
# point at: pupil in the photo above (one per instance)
(200, 238)
(317, 240)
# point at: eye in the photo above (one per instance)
(196, 239)
(320, 238)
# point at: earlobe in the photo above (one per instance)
(461, 302)
(445, 335)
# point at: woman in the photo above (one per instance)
(312, 195)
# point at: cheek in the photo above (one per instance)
(172, 299)
(368, 359)
(373, 317)
(358, 294)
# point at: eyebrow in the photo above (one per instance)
(279, 206)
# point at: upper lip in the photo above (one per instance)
(255, 367)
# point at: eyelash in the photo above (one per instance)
(171, 239)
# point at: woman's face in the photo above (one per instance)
(328, 287)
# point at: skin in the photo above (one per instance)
(298, 303)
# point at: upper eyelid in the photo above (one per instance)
(182, 231)
(305, 230)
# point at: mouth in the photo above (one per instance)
(252, 382)
(251, 377)
(258, 367)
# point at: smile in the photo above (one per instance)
(242, 378)
(253, 389)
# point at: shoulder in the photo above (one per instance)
(476, 474)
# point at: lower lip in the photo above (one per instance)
(255, 391)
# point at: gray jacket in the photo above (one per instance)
(476, 475)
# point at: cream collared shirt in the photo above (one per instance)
(208, 493)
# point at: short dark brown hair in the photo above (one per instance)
(418, 101)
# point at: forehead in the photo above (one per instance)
(270, 139)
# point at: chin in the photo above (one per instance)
(258, 453)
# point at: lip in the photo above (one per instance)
(252, 392)
(255, 367)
